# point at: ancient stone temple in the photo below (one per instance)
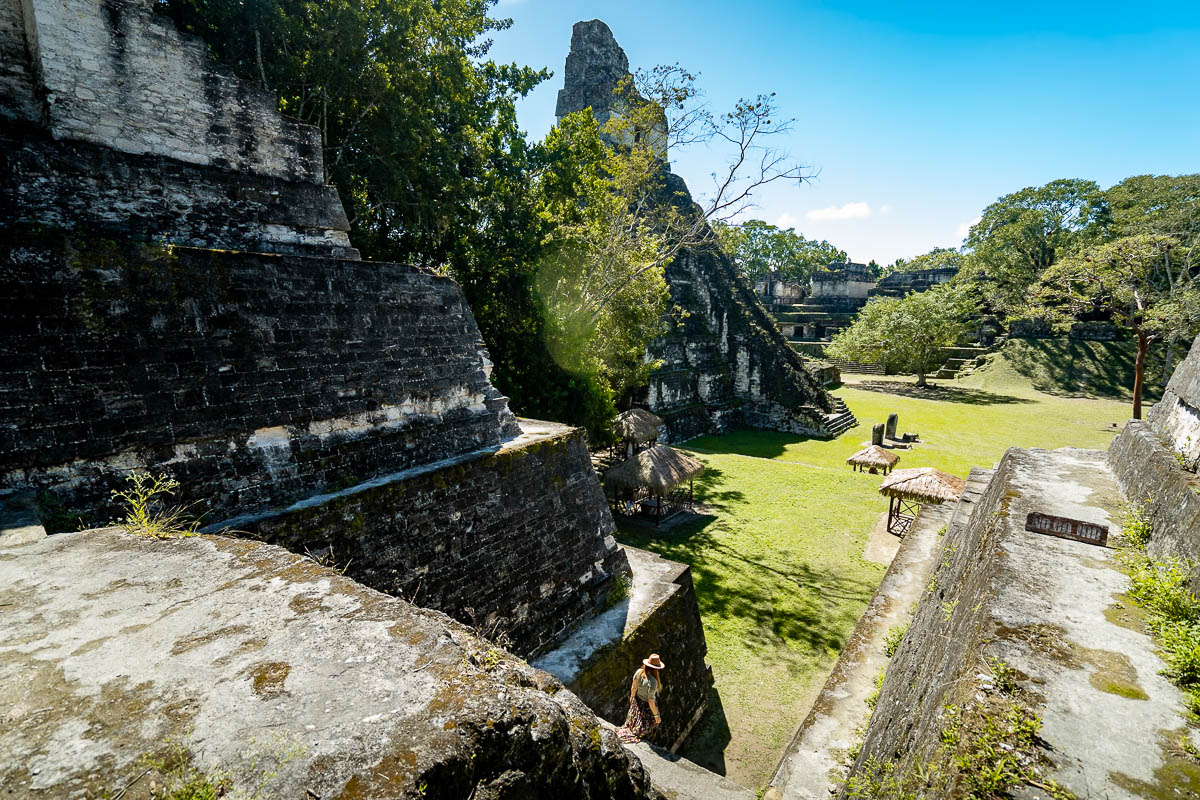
(898, 284)
(725, 363)
(180, 297)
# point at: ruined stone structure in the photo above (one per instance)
(829, 303)
(181, 298)
(725, 363)
(898, 284)
(1155, 461)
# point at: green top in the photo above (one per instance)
(647, 686)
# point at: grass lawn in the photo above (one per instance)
(778, 565)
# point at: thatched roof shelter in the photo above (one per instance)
(637, 425)
(873, 457)
(658, 468)
(922, 485)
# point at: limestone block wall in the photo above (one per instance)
(726, 362)
(518, 543)
(1146, 460)
(117, 74)
(75, 185)
(940, 646)
(17, 101)
(672, 628)
(252, 379)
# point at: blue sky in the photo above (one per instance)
(916, 115)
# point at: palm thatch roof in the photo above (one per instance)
(923, 484)
(636, 424)
(660, 468)
(873, 456)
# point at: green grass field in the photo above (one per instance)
(778, 564)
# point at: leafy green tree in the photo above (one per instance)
(617, 217)
(906, 334)
(1167, 205)
(937, 258)
(1023, 233)
(762, 251)
(1142, 281)
(421, 139)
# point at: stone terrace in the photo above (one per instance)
(115, 646)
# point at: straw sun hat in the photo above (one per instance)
(654, 662)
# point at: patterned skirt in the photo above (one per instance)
(639, 722)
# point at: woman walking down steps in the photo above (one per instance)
(643, 716)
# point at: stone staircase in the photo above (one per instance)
(840, 420)
(680, 779)
(961, 362)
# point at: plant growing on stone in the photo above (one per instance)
(1135, 524)
(145, 514)
(891, 641)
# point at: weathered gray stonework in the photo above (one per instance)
(726, 363)
(255, 380)
(661, 616)
(116, 74)
(261, 664)
(180, 298)
(121, 124)
(1146, 460)
(517, 541)
(1050, 611)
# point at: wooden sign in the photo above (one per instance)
(1064, 528)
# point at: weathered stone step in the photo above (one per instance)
(680, 779)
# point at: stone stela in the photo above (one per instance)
(1065, 528)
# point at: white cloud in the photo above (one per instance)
(885, 209)
(965, 227)
(848, 211)
(786, 220)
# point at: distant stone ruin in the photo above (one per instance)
(725, 363)
(898, 284)
(181, 297)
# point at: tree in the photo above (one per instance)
(761, 251)
(618, 217)
(1142, 281)
(1167, 205)
(906, 334)
(1023, 233)
(421, 139)
(937, 258)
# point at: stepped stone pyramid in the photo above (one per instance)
(726, 363)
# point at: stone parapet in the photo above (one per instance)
(1148, 472)
(1014, 619)
(660, 615)
(289, 678)
(516, 541)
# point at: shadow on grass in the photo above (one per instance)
(747, 442)
(788, 603)
(708, 740)
(1074, 368)
(949, 394)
